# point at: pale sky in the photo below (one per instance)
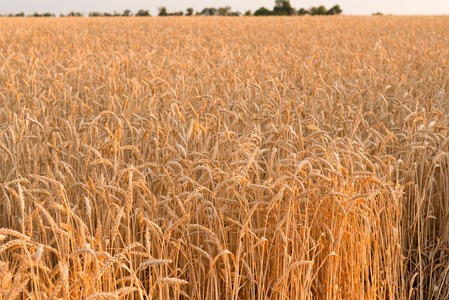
(350, 7)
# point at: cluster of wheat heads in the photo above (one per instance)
(246, 158)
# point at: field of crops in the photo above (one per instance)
(224, 158)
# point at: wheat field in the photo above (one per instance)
(224, 158)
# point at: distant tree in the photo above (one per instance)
(20, 14)
(263, 12)
(378, 14)
(336, 10)
(303, 12)
(224, 11)
(126, 13)
(320, 10)
(74, 14)
(143, 13)
(248, 13)
(212, 11)
(162, 11)
(284, 9)
(47, 14)
(287, 8)
(189, 11)
(94, 14)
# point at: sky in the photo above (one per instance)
(350, 7)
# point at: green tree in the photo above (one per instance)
(263, 12)
(285, 9)
(212, 11)
(248, 13)
(143, 13)
(189, 11)
(74, 14)
(303, 12)
(320, 10)
(126, 13)
(335, 10)
(162, 11)
(224, 11)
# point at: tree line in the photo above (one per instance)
(281, 8)
(285, 9)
